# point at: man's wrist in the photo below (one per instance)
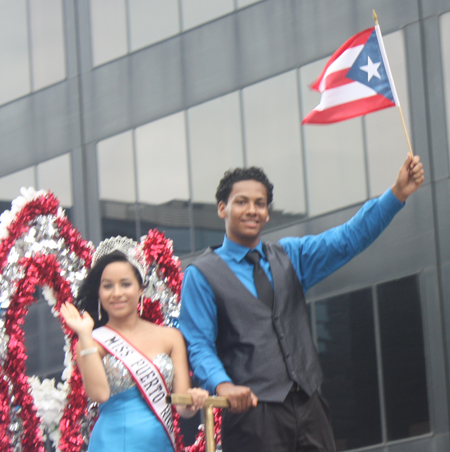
(402, 197)
(223, 385)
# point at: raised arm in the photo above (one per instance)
(316, 257)
(89, 354)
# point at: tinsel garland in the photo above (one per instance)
(52, 254)
(36, 269)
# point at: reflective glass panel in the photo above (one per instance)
(445, 46)
(11, 184)
(108, 30)
(215, 142)
(162, 176)
(47, 42)
(196, 12)
(44, 341)
(272, 139)
(117, 185)
(346, 344)
(242, 3)
(14, 56)
(335, 160)
(55, 175)
(386, 141)
(152, 21)
(402, 347)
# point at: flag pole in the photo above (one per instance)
(375, 18)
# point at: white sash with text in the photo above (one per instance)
(145, 374)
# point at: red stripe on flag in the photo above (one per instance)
(348, 110)
(336, 79)
(356, 40)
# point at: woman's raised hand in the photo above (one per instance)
(80, 324)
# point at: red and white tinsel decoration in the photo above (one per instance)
(39, 247)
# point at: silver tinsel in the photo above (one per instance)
(4, 339)
(16, 428)
(42, 238)
(86, 423)
(158, 290)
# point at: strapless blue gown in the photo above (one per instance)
(126, 423)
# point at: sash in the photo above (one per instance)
(145, 374)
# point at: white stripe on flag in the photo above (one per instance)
(344, 61)
(343, 94)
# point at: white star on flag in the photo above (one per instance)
(371, 69)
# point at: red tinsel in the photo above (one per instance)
(157, 248)
(43, 205)
(40, 270)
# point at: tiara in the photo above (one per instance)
(127, 246)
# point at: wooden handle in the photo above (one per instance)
(186, 399)
(211, 401)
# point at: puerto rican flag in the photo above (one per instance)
(356, 80)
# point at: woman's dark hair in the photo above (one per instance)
(87, 299)
(239, 174)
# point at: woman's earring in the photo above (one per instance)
(142, 305)
(99, 310)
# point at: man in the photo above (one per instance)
(251, 343)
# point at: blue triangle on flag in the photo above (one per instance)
(369, 68)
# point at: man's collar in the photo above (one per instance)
(237, 251)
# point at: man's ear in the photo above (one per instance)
(221, 207)
(267, 218)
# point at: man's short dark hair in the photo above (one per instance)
(239, 174)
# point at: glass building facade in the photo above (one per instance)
(130, 111)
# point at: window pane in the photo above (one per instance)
(47, 42)
(405, 385)
(44, 341)
(335, 162)
(272, 136)
(445, 45)
(11, 184)
(152, 21)
(162, 175)
(55, 175)
(116, 179)
(242, 3)
(196, 12)
(388, 150)
(215, 137)
(15, 67)
(108, 30)
(346, 343)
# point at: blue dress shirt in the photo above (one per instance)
(313, 258)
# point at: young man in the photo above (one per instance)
(247, 332)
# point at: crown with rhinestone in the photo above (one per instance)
(129, 247)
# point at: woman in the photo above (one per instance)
(128, 364)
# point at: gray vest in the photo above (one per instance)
(266, 351)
